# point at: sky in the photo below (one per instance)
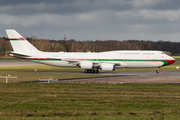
(92, 19)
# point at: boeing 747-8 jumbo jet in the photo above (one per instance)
(90, 62)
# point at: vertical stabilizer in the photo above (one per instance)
(19, 43)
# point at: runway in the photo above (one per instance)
(120, 78)
(117, 78)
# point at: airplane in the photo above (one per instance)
(91, 62)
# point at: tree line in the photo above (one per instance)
(93, 46)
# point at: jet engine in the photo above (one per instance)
(107, 67)
(86, 65)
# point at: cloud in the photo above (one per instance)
(93, 19)
(169, 15)
(144, 3)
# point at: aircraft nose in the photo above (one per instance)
(171, 61)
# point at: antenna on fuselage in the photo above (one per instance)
(65, 37)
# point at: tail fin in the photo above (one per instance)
(19, 43)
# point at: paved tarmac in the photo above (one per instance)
(122, 78)
(119, 78)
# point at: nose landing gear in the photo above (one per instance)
(158, 70)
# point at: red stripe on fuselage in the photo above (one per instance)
(17, 39)
(170, 62)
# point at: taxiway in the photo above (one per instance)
(117, 78)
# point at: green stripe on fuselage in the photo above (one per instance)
(164, 62)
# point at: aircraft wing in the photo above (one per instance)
(78, 62)
(70, 61)
(75, 61)
(94, 63)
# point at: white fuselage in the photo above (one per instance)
(121, 58)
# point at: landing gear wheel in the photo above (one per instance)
(96, 71)
(157, 71)
(91, 71)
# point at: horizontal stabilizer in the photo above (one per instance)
(20, 55)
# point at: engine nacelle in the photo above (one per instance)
(107, 67)
(86, 65)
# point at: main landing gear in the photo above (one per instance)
(158, 70)
(91, 71)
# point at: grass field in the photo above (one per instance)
(89, 101)
(25, 73)
(60, 101)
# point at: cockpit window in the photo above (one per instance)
(162, 53)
